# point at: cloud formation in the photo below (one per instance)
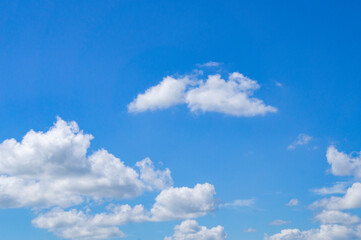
(325, 232)
(53, 169)
(343, 164)
(302, 139)
(293, 202)
(170, 204)
(233, 96)
(190, 230)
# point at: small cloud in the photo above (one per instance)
(239, 203)
(209, 64)
(278, 84)
(249, 230)
(278, 222)
(338, 188)
(302, 139)
(292, 202)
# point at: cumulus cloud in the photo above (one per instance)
(190, 230)
(169, 92)
(77, 225)
(351, 200)
(53, 169)
(336, 217)
(170, 204)
(233, 96)
(184, 202)
(292, 202)
(302, 139)
(343, 164)
(325, 232)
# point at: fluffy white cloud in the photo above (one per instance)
(52, 169)
(77, 225)
(343, 164)
(302, 139)
(167, 93)
(171, 204)
(336, 217)
(292, 202)
(232, 97)
(352, 199)
(325, 232)
(184, 202)
(190, 230)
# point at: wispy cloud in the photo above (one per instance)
(278, 222)
(302, 139)
(338, 188)
(239, 203)
(209, 64)
(292, 202)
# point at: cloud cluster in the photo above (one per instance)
(170, 204)
(233, 96)
(325, 232)
(335, 224)
(190, 230)
(53, 169)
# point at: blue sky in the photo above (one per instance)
(253, 142)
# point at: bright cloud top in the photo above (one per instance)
(190, 230)
(233, 96)
(52, 169)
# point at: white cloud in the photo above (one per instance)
(184, 202)
(325, 232)
(278, 222)
(250, 230)
(170, 204)
(77, 225)
(336, 217)
(239, 203)
(167, 93)
(343, 164)
(302, 139)
(232, 97)
(338, 188)
(52, 169)
(292, 202)
(190, 230)
(209, 64)
(352, 199)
